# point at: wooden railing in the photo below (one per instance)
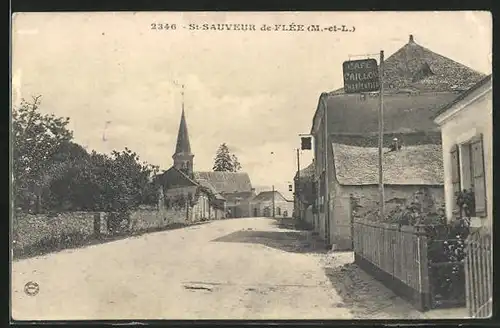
(479, 274)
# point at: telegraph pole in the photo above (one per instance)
(381, 136)
(273, 204)
(297, 198)
(326, 197)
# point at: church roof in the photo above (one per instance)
(226, 182)
(183, 145)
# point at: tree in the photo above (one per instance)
(236, 163)
(36, 139)
(225, 161)
(54, 173)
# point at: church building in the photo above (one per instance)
(197, 195)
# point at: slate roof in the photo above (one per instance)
(464, 94)
(268, 196)
(239, 195)
(307, 172)
(208, 185)
(412, 165)
(403, 112)
(162, 178)
(226, 182)
(418, 82)
(414, 67)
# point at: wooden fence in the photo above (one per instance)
(397, 257)
(479, 274)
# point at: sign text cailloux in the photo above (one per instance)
(361, 76)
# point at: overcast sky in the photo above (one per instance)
(254, 90)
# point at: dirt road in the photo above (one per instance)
(230, 269)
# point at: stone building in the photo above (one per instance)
(304, 193)
(355, 178)
(263, 203)
(235, 187)
(417, 83)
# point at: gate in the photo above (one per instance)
(446, 273)
(479, 274)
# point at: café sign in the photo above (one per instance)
(361, 76)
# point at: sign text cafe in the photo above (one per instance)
(361, 76)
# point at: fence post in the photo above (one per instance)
(424, 293)
(97, 224)
(468, 275)
(489, 272)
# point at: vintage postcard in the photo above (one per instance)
(251, 165)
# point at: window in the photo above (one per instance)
(468, 172)
(455, 175)
(322, 189)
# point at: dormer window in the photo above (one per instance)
(423, 72)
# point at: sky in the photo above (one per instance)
(254, 90)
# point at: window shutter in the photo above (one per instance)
(479, 176)
(455, 175)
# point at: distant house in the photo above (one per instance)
(236, 188)
(467, 138)
(197, 198)
(417, 83)
(355, 172)
(304, 193)
(262, 205)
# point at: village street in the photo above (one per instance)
(230, 269)
(178, 274)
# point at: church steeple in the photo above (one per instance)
(183, 158)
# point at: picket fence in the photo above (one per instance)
(479, 274)
(396, 256)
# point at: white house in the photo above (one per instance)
(467, 139)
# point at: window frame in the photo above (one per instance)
(470, 167)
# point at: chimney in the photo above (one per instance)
(411, 39)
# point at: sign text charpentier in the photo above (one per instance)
(361, 76)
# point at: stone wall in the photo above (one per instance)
(149, 217)
(30, 231)
(367, 197)
(42, 233)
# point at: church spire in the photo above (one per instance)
(183, 158)
(183, 145)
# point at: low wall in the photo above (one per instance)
(146, 218)
(42, 231)
(34, 234)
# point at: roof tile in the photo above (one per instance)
(226, 182)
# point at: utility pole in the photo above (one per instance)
(297, 184)
(326, 199)
(273, 204)
(381, 136)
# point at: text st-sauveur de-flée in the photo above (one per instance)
(253, 27)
